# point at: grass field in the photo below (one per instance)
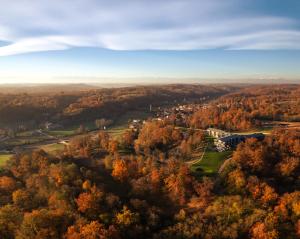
(22, 141)
(121, 125)
(116, 133)
(25, 134)
(71, 130)
(210, 163)
(4, 158)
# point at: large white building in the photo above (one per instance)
(225, 140)
(217, 133)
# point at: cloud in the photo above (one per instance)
(34, 26)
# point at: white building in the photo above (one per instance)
(217, 133)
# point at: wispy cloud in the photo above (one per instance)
(33, 26)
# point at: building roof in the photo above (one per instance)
(229, 137)
(255, 135)
(217, 130)
(246, 136)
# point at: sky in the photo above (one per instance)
(117, 41)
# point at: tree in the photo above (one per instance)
(86, 185)
(10, 220)
(23, 199)
(155, 179)
(156, 136)
(104, 140)
(261, 231)
(126, 218)
(236, 181)
(179, 185)
(297, 227)
(43, 224)
(102, 123)
(128, 139)
(204, 191)
(113, 146)
(120, 170)
(7, 184)
(89, 202)
(81, 129)
(93, 230)
(261, 191)
(251, 155)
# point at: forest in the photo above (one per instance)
(75, 107)
(141, 183)
(250, 107)
(95, 190)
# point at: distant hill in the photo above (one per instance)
(74, 104)
(42, 88)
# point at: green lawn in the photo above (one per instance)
(210, 163)
(4, 158)
(71, 130)
(24, 140)
(25, 134)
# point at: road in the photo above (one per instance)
(224, 164)
(192, 162)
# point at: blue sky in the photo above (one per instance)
(96, 41)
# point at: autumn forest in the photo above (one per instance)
(137, 162)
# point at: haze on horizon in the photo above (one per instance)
(149, 41)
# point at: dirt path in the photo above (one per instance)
(224, 165)
(192, 162)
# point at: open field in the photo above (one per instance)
(121, 125)
(117, 132)
(19, 141)
(4, 158)
(210, 163)
(71, 130)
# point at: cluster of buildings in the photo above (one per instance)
(135, 124)
(179, 113)
(224, 140)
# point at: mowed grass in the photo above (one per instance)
(210, 163)
(4, 158)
